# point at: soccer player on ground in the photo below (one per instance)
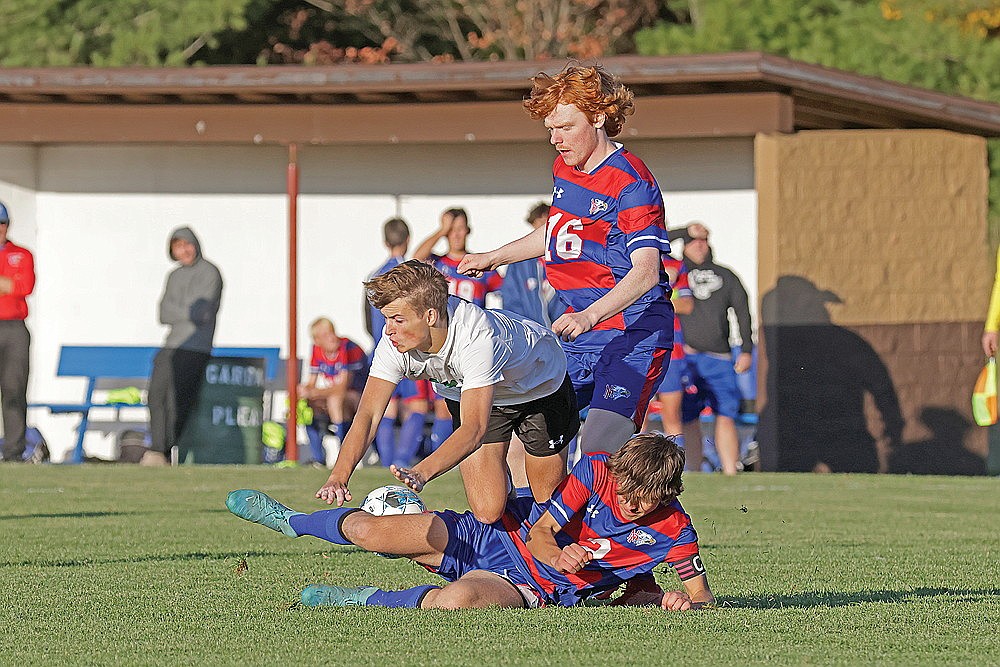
(499, 373)
(602, 249)
(613, 518)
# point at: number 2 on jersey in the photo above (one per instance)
(603, 547)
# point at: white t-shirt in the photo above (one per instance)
(484, 347)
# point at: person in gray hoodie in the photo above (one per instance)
(189, 306)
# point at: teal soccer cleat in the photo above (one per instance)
(261, 508)
(318, 595)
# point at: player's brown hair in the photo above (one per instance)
(460, 213)
(648, 467)
(593, 90)
(419, 283)
(537, 211)
(395, 232)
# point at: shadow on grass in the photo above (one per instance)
(145, 558)
(817, 599)
(64, 515)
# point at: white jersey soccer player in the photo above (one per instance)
(521, 359)
(499, 373)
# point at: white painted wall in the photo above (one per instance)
(97, 219)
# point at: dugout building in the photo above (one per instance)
(853, 208)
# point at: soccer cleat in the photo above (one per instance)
(319, 595)
(261, 508)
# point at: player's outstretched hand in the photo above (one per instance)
(571, 325)
(676, 601)
(334, 491)
(572, 558)
(474, 263)
(410, 477)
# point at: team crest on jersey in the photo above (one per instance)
(557, 193)
(612, 392)
(640, 538)
(14, 260)
(598, 206)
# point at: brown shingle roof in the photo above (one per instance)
(820, 97)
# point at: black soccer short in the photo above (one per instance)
(545, 425)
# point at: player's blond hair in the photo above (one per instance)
(593, 90)
(648, 468)
(416, 282)
(321, 323)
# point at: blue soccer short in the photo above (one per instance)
(673, 377)
(710, 380)
(621, 378)
(409, 389)
(474, 545)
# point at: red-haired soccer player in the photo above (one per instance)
(615, 517)
(602, 247)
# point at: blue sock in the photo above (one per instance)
(409, 440)
(315, 436)
(440, 431)
(324, 524)
(385, 440)
(679, 439)
(408, 599)
(340, 430)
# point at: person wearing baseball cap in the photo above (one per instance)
(17, 280)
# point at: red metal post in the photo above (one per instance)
(292, 370)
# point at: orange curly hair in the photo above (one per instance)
(593, 90)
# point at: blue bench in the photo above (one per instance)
(112, 367)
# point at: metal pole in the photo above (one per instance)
(292, 369)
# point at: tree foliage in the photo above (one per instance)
(157, 32)
(952, 46)
(101, 33)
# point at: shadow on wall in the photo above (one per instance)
(818, 375)
(942, 453)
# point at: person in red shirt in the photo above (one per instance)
(17, 280)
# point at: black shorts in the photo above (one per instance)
(545, 425)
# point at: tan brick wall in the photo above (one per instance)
(880, 235)
(893, 222)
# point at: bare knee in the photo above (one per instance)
(455, 596)
(490, 513)
(359, 528)
(488, 507)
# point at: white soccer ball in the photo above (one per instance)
(390, 500)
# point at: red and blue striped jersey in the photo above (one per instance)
(466, 287)
(585, 505)
(677, 274)
(348, 358)
(596, 221)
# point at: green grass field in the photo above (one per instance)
(126, 565)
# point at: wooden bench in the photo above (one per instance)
(114, 367)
